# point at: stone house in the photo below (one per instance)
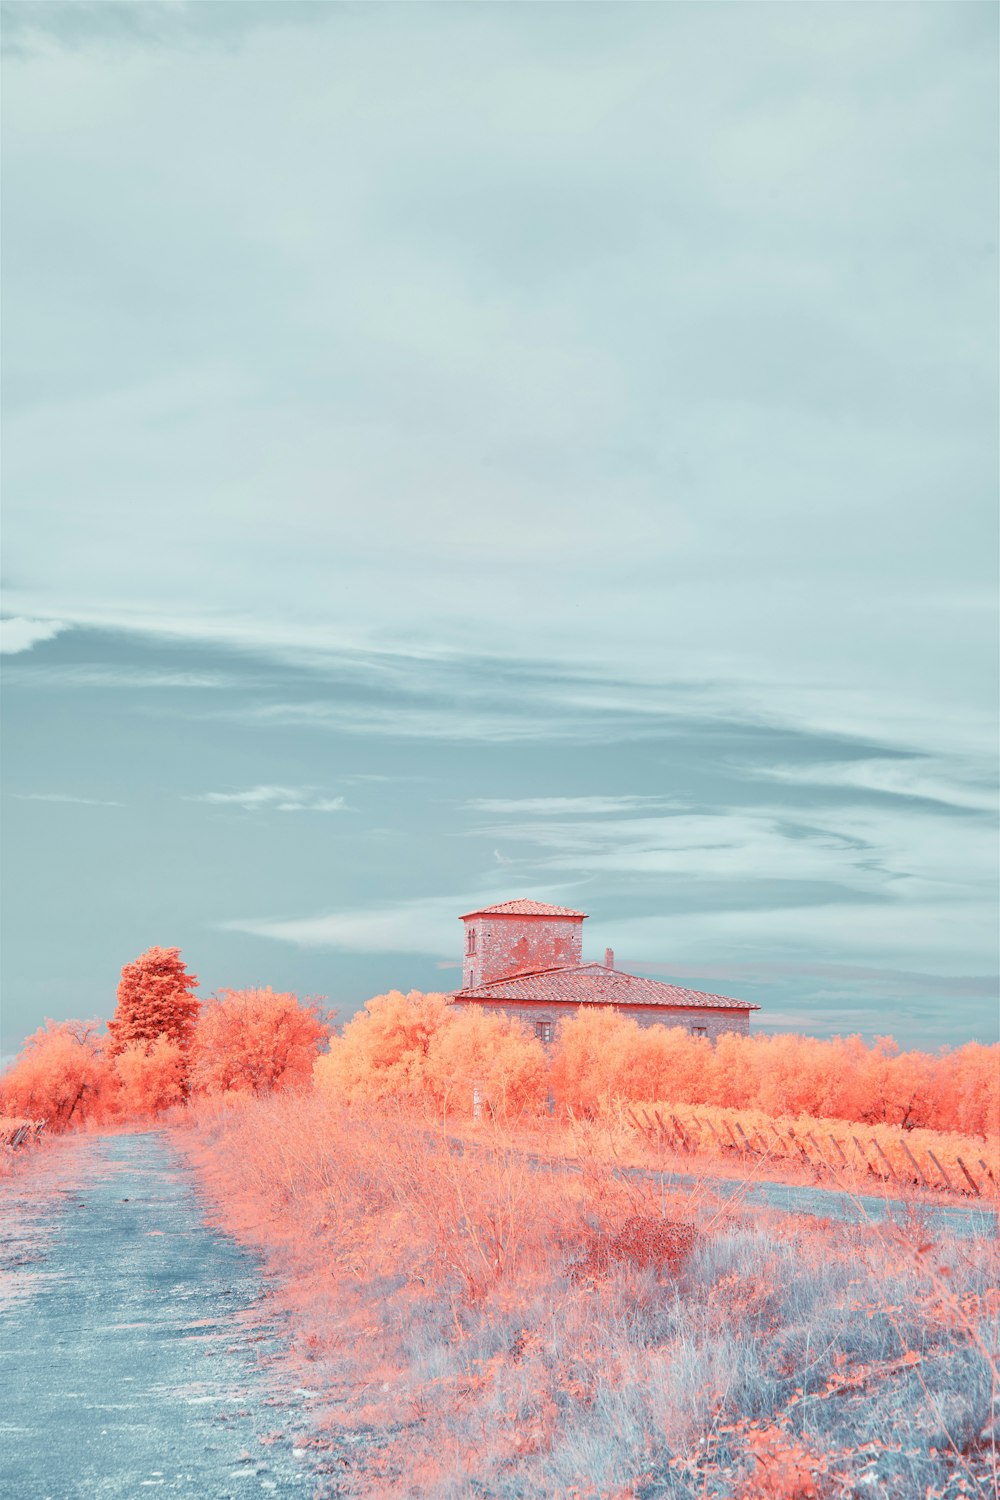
(525, 958)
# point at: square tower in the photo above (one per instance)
(518, 937)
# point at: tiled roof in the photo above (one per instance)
(594, 984)
(523, 908)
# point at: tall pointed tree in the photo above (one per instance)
(154, 999)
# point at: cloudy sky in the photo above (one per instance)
(466, 451)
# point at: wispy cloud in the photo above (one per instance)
(899, 849)
(921, 935)
(20, 634)
(427, 925)
(557, 806)
(286, 799)
(84, 676)
(880, 980)
(465, 722)
(65, 797)
(924, 778)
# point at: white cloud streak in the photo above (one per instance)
(934, 781)
(427, 925)
(65, 797)
(559, 806)
(285, 799)
(86, 677)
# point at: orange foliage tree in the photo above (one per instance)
(382, 1051)
(494, 1052)
(417, 1046)
(254, 1041)
(968, 1092)
(63, 1075)
(154, 999)
(150, 1076)
(600, 1055)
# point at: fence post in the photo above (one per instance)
(913, 1162)
(861, 1152)
(968, 1176)
(793, 1137)
(840, 1150)
(477, 1101)
(941, 1169)
(881, 1153)
(818, 1150)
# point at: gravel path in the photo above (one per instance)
(137, 1353)
(966, 1221)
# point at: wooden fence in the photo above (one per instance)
(811, 1145)
(20, 1132)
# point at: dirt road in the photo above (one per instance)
(136, 1352)
(965, 1220)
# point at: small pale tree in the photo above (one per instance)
(154, 1000)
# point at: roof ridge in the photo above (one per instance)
(673, 995)
(522, 974)
(523, 906)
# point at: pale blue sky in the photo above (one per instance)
(456, 452)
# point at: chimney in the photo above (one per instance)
(609, 958)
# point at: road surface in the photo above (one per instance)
(137, 1354)
(966, 1221)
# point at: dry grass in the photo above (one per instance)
(488, 1326)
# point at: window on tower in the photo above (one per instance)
(470, 940)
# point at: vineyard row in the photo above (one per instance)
(917, 1158)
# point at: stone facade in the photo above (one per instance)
(498, 942)
(543, 1017)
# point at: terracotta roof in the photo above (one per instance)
(594, 984)
(523, 908)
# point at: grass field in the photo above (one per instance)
(485, 1325)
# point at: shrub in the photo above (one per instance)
(63, 1075)
(151, 1077)
(600, 1055)
(382, 1052)
(495, 1052)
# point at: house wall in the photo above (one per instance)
(509, 945)
(714, 1021)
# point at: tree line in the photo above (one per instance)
(163, 1047)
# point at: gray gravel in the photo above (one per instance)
(965, 1221)
(969, 1222)
(137, 1353)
